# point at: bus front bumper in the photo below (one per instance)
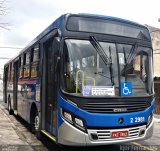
(71, 136)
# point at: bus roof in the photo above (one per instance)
(59, 24)
(113, 18)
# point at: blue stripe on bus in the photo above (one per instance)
(65, 105)
(105, 120)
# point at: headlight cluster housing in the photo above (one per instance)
(74, 120)
(150, 118)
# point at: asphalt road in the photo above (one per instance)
(24, 140)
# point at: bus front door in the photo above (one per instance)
(49, 86)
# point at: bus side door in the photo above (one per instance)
(49, 99)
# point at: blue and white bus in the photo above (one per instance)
(85, 80)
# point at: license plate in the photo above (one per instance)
(118, 134)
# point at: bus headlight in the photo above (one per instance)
(150, 117)
(68, 116)
(79, 122)
(73, 119)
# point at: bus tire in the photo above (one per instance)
(9, 106)
(35, 125)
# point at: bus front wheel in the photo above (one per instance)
(35, 125)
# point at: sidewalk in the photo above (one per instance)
(8, 135)
(156, 118)
(9, 139)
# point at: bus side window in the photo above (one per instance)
(35, 55)
(26, 68)
(9, 73)
(20, 67)
(12, 72)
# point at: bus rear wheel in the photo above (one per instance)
(9, 106)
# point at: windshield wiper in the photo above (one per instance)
(100, 50)
(128, 59)
(130, 55)
(111, 69)
(107, 60)
(125, 64)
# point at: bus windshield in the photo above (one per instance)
(94, 68)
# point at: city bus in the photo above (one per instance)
(85, 80)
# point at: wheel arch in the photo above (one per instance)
(33, 110)
(8, 97)
(9, 105)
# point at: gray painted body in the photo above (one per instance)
(69, 135)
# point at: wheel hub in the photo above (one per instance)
(36, 122)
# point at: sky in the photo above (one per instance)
(28, 18)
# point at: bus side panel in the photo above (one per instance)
(20, 99)
(26, 97)
(29, 103)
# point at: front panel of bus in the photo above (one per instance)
(106, 84)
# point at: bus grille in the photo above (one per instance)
(105, 135)
(116, 106)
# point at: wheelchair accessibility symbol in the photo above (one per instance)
(126, 88)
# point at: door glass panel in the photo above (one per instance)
(50, 90)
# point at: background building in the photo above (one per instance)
(155, 36)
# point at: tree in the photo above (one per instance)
(3, 12)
